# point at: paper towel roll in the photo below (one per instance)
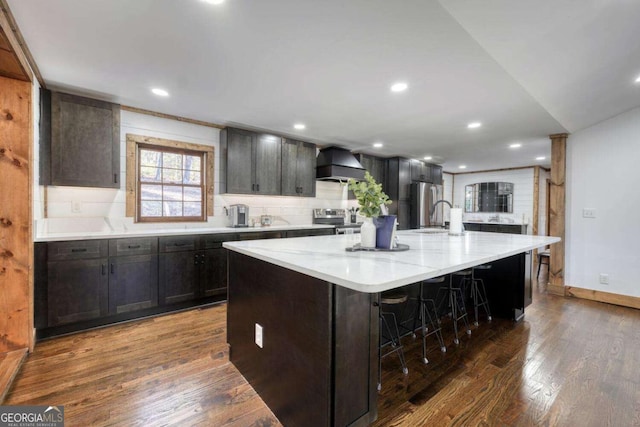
(455, 221)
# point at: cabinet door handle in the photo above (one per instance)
(79, 250)
(104, 269)
(179, 244)
(115, 178)
(134, 246)
(257, 187)
(253, 187)
(113, 269)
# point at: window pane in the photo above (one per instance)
(192, 209)
(150, 208)
(192, 194)
(172, 208)
(150, 174)
(172, 160)
(150, 192)
(192, 178)
(172, 193)
(192, 163)
(150, 158)
(172, 176)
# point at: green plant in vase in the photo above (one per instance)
(370, 198)
(369, 195)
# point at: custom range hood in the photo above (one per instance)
(338, 164)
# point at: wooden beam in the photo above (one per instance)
(16, 243)
(557, 209)
(498, 170)
(14, 53)
(170, 117)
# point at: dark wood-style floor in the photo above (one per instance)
(569, 363)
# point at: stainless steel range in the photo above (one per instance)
(335, 217)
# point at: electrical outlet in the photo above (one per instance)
(604, 279)
(588, 212)
(259, 335)
(76, 206)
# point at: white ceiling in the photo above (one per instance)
(525, 69)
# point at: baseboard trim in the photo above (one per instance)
(10, 364)
(600, 296)
(556, 290)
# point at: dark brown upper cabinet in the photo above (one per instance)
(251, 162)
(376, 166)
(298, 168)
(79, 141)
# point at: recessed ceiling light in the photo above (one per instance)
(299, 126)
(213, 1)
(428, 157)
(378, 144)
(540, 158)
(399, 87)
(638, 79)
(516, 145)
(462, 167)
(159, 92)
(474, 125)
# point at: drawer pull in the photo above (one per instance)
(79, 250)
(134, 246)
(179, 244)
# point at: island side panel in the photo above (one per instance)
(318, 365)
(505, 284)
(356, 337)
(292, 372)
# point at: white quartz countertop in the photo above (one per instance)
(106, 233)
(431, 254)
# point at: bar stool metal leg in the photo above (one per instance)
(455, 299)
(479, 293)
(389, 329)
(428, 318)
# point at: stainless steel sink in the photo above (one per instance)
(432, 230)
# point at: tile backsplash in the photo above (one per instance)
(80, 202)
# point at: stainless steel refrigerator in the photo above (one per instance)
(423, 196)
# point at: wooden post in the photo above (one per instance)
(16, 247)
(557, 211)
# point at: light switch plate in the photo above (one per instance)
(76, 206)
(259, 335)
(589, 212)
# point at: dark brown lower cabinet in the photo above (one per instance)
(82, 284)
(179, 276)
(214, 280)
(77, 290)
(133, 283)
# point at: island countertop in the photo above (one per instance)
(430, 255)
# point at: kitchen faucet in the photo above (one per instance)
(433, 208)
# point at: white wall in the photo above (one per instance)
(603, 173)
(110, 203)
(542, 202)
(522, 180)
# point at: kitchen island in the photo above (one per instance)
(303, 318)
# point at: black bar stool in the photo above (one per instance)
(479, 293)
(544, 255)
(427, 314)
(389, 333)
(455, 298)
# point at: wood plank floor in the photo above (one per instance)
(569, 363)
